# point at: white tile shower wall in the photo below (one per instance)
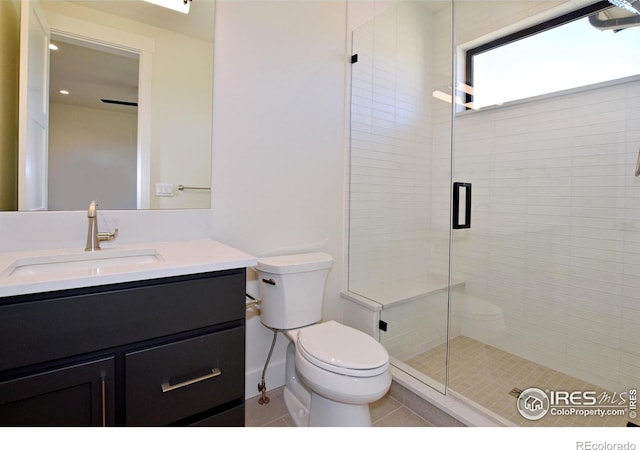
(390, 146)
(416, 326)
(555, 237)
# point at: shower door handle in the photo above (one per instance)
(461, 205)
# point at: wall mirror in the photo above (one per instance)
(132, 126)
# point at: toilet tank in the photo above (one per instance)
(291, 288)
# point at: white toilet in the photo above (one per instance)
(333, 371)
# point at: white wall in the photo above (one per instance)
(278, 157)
(68, 229)
(92, 156)
(181, 119)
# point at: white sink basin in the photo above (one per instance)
(86, 263)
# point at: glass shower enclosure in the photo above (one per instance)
(497, 230)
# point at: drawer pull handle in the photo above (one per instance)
(103, 398)
(167, 387)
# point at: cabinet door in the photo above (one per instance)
(77, 395)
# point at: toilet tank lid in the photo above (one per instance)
(304, 262)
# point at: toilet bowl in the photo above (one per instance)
(333, 371)
(344, 370)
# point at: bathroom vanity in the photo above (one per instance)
(144, 343)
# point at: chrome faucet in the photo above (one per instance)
(93, 236)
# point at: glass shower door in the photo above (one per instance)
(400, 180)
(551, 262)
(498, 239)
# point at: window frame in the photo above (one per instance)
(524, 33)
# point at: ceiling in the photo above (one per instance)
(91, 75)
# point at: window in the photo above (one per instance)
(594, 44)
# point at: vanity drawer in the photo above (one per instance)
(170, 382)
(232, 417)
(68, 323)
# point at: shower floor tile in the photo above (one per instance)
(485, 375)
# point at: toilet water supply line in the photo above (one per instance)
(262, 386)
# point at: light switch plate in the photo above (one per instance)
(164, 189)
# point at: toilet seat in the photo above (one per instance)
(323, 345)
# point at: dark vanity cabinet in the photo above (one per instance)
(78, 394)
(157, 352)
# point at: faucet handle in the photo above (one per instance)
(106, 236)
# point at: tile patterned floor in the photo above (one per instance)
(386, 412)
(485, 375)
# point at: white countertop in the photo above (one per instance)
(173, 259)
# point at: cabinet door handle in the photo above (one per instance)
(167, 386)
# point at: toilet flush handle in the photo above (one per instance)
(270, 281)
